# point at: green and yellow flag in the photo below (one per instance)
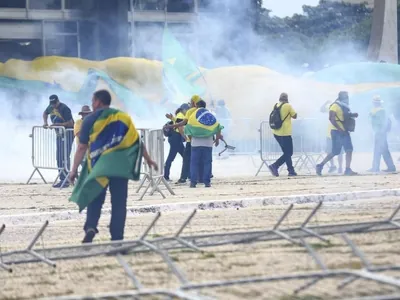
(114, 150)
(202, 123)
(180, 72)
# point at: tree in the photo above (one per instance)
(323, 34)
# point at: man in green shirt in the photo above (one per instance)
(381, 124)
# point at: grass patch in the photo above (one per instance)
(317, 246)
(175, 258)
(207, 255)
(354, 265)
(304, 297)
(155, 235)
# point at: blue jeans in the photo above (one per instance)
(201, 159)
(176, 146)
(64, 144)
(119, 195)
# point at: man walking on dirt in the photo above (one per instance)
(381, 126)
(341, 124)
(283, 136)
(112, 144)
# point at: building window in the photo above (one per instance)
(80, 4)
(45, 4)
(13, 3)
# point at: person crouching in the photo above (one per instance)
(202, 126)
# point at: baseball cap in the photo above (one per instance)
(195, 98)
(53, 98)
(185, 106)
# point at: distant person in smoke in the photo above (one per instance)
(332, 168)
(176, 138)
(224, 116)
(342, 122)
(283, 135)
(381, 125)
(202, 126)
(61, 116)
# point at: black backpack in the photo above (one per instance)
(168, 131)
(275, 120)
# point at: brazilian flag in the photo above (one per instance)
(114, 150)
(180, 72)
(202, 123)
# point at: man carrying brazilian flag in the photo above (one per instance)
(201, 127)
(114, 154)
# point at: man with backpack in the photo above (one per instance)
(342, 123)
(381, 125)
(280, 121)
(175, 138)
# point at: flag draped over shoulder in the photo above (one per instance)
(180, 72)
(202, 123)
(114, 150)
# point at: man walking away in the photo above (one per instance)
(175, 139)
(281, 124)
(332, 168)
(114, 152)
(342, 123)
(381, 126)
(201, 127)
(60, 115)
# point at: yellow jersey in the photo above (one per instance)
(188, 114)
(287, 113)
(177, 119)
(77, 129)
(339, 116)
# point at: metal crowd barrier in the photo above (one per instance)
(49, 151)
(308, 145)
(153, 139)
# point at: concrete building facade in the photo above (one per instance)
(91, 29)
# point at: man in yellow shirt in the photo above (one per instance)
(339, 115)
(85, 111)
(332, 168)
(283, 136)
(185, 173)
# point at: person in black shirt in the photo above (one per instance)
(60, 115)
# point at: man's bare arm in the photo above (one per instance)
(332, 119)
(79, 155)
(45, 118)
(177, 125)
(148, 159)
(294, 116)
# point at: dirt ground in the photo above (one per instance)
(19, 199)
(104, 274)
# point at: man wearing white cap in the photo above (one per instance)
(381, 124)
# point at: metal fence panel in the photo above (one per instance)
(48, 149)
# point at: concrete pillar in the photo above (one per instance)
(383, 43)
(113, 28)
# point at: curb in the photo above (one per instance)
(203, 205)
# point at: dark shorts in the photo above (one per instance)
(341, 140)
(329, 146)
